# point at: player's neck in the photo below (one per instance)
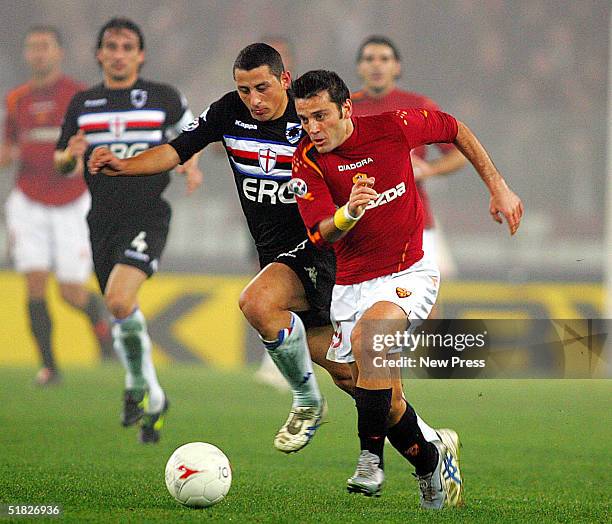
(41, 81)
(350, 127)
(378, 92)
(113, 83)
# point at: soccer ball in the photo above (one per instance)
(198, 475)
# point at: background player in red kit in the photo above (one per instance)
(46, 211)
(379, 67)
(357, 186)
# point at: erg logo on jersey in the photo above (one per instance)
(355, 165)
(267, 191)
(388, 196)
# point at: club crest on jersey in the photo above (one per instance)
(402, 292)
(359, 177)
(267, 159)
(138, 97)
(293, 132)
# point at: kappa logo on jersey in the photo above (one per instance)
(138, 97)
(98, 102)
(293, 133)
(240, 123)
(388, 196)
(139, 243)
(402, 292)
(267, 159)
(355, 165)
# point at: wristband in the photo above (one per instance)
(343, 219)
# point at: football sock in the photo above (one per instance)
(291, 355)
(406, 436)
(133, 346)
(373, 406)
(95, 309)
(40, 324)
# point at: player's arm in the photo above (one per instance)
(193, 174)
(448, 163)
(70, 160)
(336, 226)
(150, 162)
(503, 199)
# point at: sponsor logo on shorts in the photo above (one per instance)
(402, 292)
(130, 253)
(312, 274)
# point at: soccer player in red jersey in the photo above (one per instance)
(46, 211)
(379, 67)
(356, 183)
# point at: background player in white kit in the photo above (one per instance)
(46, 210)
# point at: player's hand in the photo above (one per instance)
(420, 168)
(194, 176)
(103, 161)
(506, 202)
(77, 144)
(361, 194)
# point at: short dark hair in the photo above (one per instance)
(121, 23)
(380, 40)
(313, 82)
(49, 29)
(257, 55)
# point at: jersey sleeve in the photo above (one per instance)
(178, 115)
(70, 124)
(430, 105)
(204, 130)
(422, 126)
(313, 197)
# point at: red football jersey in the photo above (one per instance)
(365, 105)
(33, 121)
(388, 238)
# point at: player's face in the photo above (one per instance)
(43, 53)
(378, 68)
(120, 56)
(264, 94)
(326, 126)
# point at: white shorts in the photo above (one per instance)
(414, 290)
(50, 238)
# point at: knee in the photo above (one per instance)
(256, 307)
(75, 296)
(119, 304)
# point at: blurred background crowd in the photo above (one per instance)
(530, 77)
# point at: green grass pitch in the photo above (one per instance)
(533, 451)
